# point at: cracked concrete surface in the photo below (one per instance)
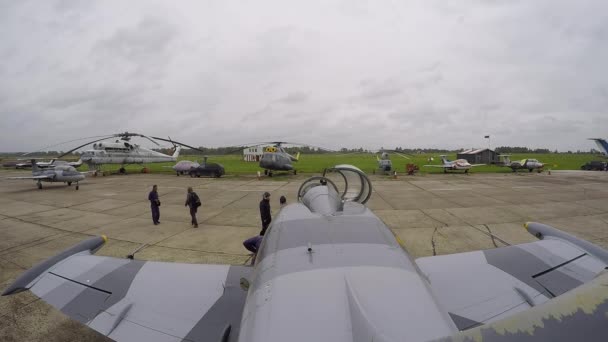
(432, 214)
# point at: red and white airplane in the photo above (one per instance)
(452, 165)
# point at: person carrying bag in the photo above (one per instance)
(193, 202)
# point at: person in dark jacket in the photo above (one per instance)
(193, 202)
(265, 212)
(154, 204)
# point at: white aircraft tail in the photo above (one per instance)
(176, 153)
(601, 144)
(444, 159)
(35, 166)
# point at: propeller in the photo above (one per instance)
(178, 143)
(83, 145)
(67, 142)
(126, 136)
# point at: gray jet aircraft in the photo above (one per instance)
(329, 269)
(524, 164)
(59, 173)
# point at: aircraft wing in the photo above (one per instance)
(134, 300)
(577, 315)
(32, 177)
(478, 165)
(436, 166)
(482, 287)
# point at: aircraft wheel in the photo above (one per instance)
(466, 171)
(265, 172)
(77, 187)
(530, 170)
(295, 172)
(177, 173)
(69, 183)
(39, 185)
(198, 176)
(269, 174)
(192, 174)
(445, 171)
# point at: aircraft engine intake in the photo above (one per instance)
(321, 194)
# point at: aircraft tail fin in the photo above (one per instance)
(176, 153)
(34, 166)
(298, 156)
(444, 159)
(602, 145)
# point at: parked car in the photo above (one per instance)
(208, 169)
(594, 166)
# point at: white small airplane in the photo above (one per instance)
(452, 165)
(49, 164)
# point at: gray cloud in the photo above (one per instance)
(337, 73)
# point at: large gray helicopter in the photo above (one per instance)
(59, 173)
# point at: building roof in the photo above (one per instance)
(475, 151)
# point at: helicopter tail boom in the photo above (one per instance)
(176, 153)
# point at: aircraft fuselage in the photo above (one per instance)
(343, 273)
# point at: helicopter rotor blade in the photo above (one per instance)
(401, 155)
(66, 142)
(83, 145)
(178, 143)
(152, 140)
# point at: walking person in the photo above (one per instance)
(265, 212)
(193, 201)
(154, 204)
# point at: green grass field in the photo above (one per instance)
(315, 163)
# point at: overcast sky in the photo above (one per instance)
(330, 73)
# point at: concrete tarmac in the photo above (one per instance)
(432, 214)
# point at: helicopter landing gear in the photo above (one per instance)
(39, 185)
(77, 187)
(265, 172)
(69, 183)
(295, 172)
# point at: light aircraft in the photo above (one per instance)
(524, 164)
(59, 173)
(52, 163)
(458, 164)
(329, 269)
(602, 145)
